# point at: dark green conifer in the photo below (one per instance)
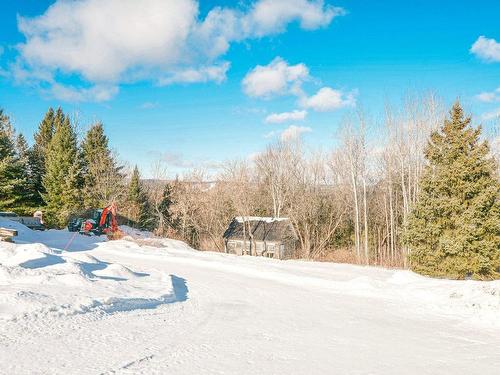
(43, 136)
(11, 171)
(28, 200)
(139, 208)
(164, 217)
(454, 230)
(102, 179)
(62, 179)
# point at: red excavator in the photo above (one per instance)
(101, 221)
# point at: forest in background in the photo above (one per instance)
(350, 203)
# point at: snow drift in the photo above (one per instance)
(80, 304)
(38, 276)
(36, 280)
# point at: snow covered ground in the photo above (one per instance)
(71, 304)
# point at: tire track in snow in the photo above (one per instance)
(166, 355)
(130, 364)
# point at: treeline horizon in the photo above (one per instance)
(352, 203)
(63, 176)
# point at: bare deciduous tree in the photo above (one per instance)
(355, 198)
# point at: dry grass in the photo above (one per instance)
(118, 235)
(207, 244)
(349, 257)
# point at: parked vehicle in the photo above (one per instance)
(97, 222)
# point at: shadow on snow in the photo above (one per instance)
(47, 260)
(180, 294)
(89, 268)
(180, 288)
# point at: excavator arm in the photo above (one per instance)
(108, 221)
(104, 223)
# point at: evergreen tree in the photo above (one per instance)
(454, 230)
(38, 153)
(102, 178)
(139, 210)
(62, 178)
(46, 129)
(165, 218)
(166, 204)
(29, 197)
(22, 149)
(11, 169)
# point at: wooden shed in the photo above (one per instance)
(261, 236)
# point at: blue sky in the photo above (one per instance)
(180, 81)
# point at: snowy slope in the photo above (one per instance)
(155, 306)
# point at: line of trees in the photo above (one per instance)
(362, 202)
(348, 203)
(63, 176)
(423, 194)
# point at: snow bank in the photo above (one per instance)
(37, 276)
(477, 302)
(23, 231)
(265, 219)
(37, 280)
(469, 302)
(58, 239)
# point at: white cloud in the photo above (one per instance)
(489, 97)
(115, 41)
(272, 16)
(277, 118)
(216, 73)
(486, 49)
(244, 110)
(328, 99)
(494, 114)
(148, 105)
(177, 160)
(270, 134)
(294, 132)
(104, 39)
(97, 93)
(277, 78)
(264, 17)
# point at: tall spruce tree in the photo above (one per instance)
(102, 179)
(11, 169)
(43, 136)
(62, 179)
(166, 204)
(164, 217)
(29, 197)
(46, 129)
(454, 230)
(139, 209)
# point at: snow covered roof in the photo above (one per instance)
(262, 229)
(266, 219)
